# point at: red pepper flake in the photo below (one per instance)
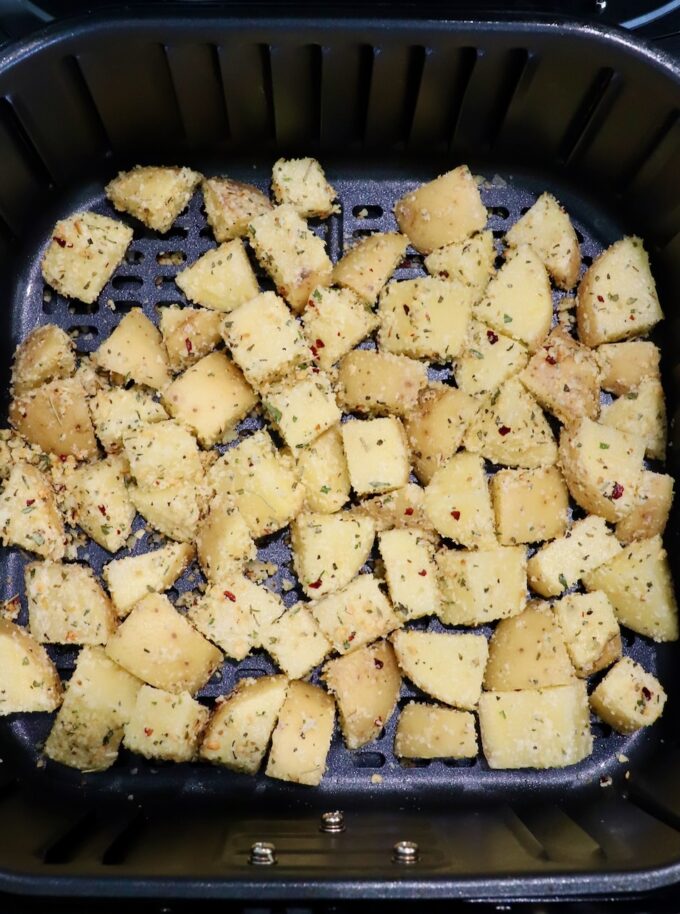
(408, 512)
(423, 573)
(319, 344)
(378, 663)
(550, 359)
(504, 430)
(230, 596)
(491, 337)
(60, 241)
(189, 345)
(29, 502)
(455, 515)
(407, 310)
(631, 317)
(102, 509)
(148, 731)
(617, 491)
(63, 457)
(351, 636)
(646, 694)
(315, 352)
(315, 584)
(600, 298)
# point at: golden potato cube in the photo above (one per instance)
(221, 279)
(47, 354)
(301, 408)
(189, 334)
(380, 382)
(164, 454)
(154, 195)
(83, 253)
(223, 540)
(435, 428)
(590, 631)
(650, 514)
(561, 563)
(302, 736)
(335, 321)
(56, 418)
(458, 503)
(477, 587)
(230, 205)
(429, 731)
(175, 511)
(367, 265)
(366, 686)
(135, 351)
(356, 615)
(29, 516)
(471, 262)
(291, 253)
(408, 556)
(377, 454)
(628, 697)
(329, 550)
(295, 642)
(241, 726)
(28, 679)
(530, 505)
(131, 578)
(448, 667)
(617, 297)
(624, 365)
(118, 411)
(400, 509)
(323, 473)
(66, 604)
(442, 211)
(165, 726)
(488, 360)
(303, 184)
(546, 227)
(103, 507)
(641, 413)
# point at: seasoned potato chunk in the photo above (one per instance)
(223, 540)
(174, 511)
(356, 615)
(221, 279)
(546, 227)
(590, 631)
(366, 685)
(119, 411)
(335, 321)
(135, 351)
(435, 428)
(154, 195)
(641, 413)
(428, 731)
(324, 474)
(329, 550)
(488, 359)
(165, 726)
(380, 382)
(530, 505)
(481, 586)
(400, 509)
(47, 354)
(624, 365)
(230, 205)
(295, 642)
(303, 184)
(307, 712)
(83, 253)
(29, 516)
(28, 679)
(189, 334)
(56, 418)
(163, 454)
(66, 604)
(367, 266)
(628, 697)
(408, 556)
(302, 408)
(458, 503)
(377, 454)
(131, 578)
(650, 514)
(103, 507)
(470, 261)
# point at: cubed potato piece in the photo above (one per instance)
(323, 472)
(477, 587)
(301, 408)
(291, 253)
(262, 483)
(210, 398)
(639, 585)
(356, 615)
(158, 645)
(624, 365)
(528, 652)
(377, 454)
(241, 726)
(103, 507)
(303, 184)
(295, 642)
(448, 667)
(628, 697)
(518, 300)
(559, 564)
(155, 195)
(366, 686)
(265, 339)
(335, 321)
(135, 351)
(530, 505)
(165, 726)
(650, 515)
(408, 555)
(425, 318)
(590, 631)
(83, 253)
(175, 511)
(511, 429)
(546, 227)
(445, 210)
(488, 360)
(471, 262)
(223, 540)
(641, 413)
(118, 412)
(401, 509)
(189, 334)
(546, 728)
(367, 265)
(66, 604)
(29, 681)
(602, 467)
(617, 297)
(47, 354)
(380, 382)
(221, 279)
(230, 205)
(435, 428)
(29, 516)
(429, 731)
(563, 375)
(329, 550)
(56, 418)
(164, 454)
(131, 578)
(458, 503)
(302, 736)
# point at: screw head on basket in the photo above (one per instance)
(333, 822)
(262, 853)
(405, 852)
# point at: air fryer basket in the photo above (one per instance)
(590, 115)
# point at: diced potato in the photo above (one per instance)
(602, 467)
(135, 351)
(366, 685)
(223, 540)
(154, 195)
(165, 726)
(83, 253)
(408, 555)
(367, 265)
(548, 229)
(189, 334)
(628, 697)
(435, 428)
(488, 359)
(131, 578)
(530, 505)
(401, 509)
(449, 667)
(221, 279)
(158, 645)
(380, 382)
(28, 679)
(163, 454)
(302, 736)
(624, 365)
(303, 184)
(302, 408)
(324, 474)
(56, 418)
(47, 354)
(329, 550)
(29, 516)
(230, 205)
(590, 631)
(356, 615)
(458, 503)
(546, 728)
(66, 604)
(561, 563)
(481, 586)
(472, 262)
(335, 321)
(377, 454)
(428, 731)
(175, 511)
(295, 642)
(617, 297)
(641, 413)
(650, 515)
(210, 398)
(103, 507)
(239, 731)
(445, 210)
(291, 253)
(119, 411)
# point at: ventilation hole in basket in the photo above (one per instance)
(126, 282)
(629, 638)
(501, 211)
(66, 846)
(415, 762)
(368, 760)
(83, 333)
(525, 209)
(64, 657)
(579, 236)
(125, 305)
(206, 232)
(249, 673)
(600, 729)
(176, 233)
(79, 308)
(168, 282)
(133, 256)
(460, 762)
(168, 303)
(119, 849)
(498, 233)
(587, 260)
(170, 258)
(367, 211)
(363, 232)
(499, 261)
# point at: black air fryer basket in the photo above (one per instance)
(589, 113)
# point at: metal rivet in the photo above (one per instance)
(333, 822)
(405, 852)
(262, 854)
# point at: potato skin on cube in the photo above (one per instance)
(529, 505)
(482, 585)
(624, 365)
(380, 383)
(470, 262)
(310, 712)
(155, 195)
(189, 334)
(367, 266)
(436, 427)
(303, 184)
(55, 416)
(29, 515)
(628, 697)
(323, 472)
(47, 354)
(119, 411)
(641, 412)
(165, 726)
(230, 205)
(377, 454)
(650, 515)
(546, 227)
(591, 632)
(29, 681)
(135, 351)
(430, 731)
(223, 540)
